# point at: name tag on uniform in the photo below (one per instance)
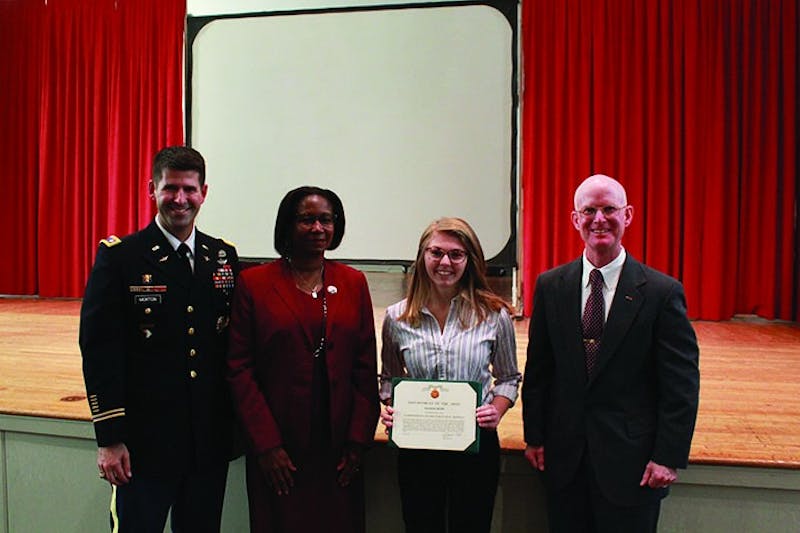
(147, 299)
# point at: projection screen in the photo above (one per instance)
(408, 113)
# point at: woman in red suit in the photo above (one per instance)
(302, 366)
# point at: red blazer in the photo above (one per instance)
(270, 359)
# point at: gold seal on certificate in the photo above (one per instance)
(435, 415)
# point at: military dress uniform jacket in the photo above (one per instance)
(153, 341)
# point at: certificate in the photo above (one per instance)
(435, 415)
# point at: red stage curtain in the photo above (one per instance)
(99, 85)
(691, 104)
(20, 79)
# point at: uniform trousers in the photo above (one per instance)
(581, 507)
(443, 491)
(194, 500)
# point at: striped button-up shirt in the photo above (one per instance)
(479, 353)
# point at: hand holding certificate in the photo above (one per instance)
(435, 415)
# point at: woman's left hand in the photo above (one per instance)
(487, 416)
(387, 417)
(350, 464)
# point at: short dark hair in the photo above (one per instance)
(178, 158)
(287, 211)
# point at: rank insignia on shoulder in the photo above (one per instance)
(111, 240)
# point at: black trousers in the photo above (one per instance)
(449, 491)
(581, 507)
(195, 501)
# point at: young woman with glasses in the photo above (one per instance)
(451, 327)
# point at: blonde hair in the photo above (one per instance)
(477, 298)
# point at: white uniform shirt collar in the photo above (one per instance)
(610, 272)
(174, 241)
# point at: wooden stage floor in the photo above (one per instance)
(749, 394)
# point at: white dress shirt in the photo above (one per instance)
(175, 242)
(610, 272)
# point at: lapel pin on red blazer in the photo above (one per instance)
(332, 289)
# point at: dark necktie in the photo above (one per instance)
(183, 258)
(593, 318)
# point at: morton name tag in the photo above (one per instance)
(147, 299)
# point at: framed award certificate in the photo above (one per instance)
(435, 415)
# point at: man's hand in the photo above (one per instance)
(278, 467)
(658, 476)
(114, 463)
(535, 456)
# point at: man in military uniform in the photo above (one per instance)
(153, 336)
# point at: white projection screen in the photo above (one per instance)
(407, 113)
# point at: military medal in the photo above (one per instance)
(223, 277)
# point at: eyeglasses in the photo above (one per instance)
(591, 212)
(455, 255)
(307, 221)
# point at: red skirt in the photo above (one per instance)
(315, 503)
